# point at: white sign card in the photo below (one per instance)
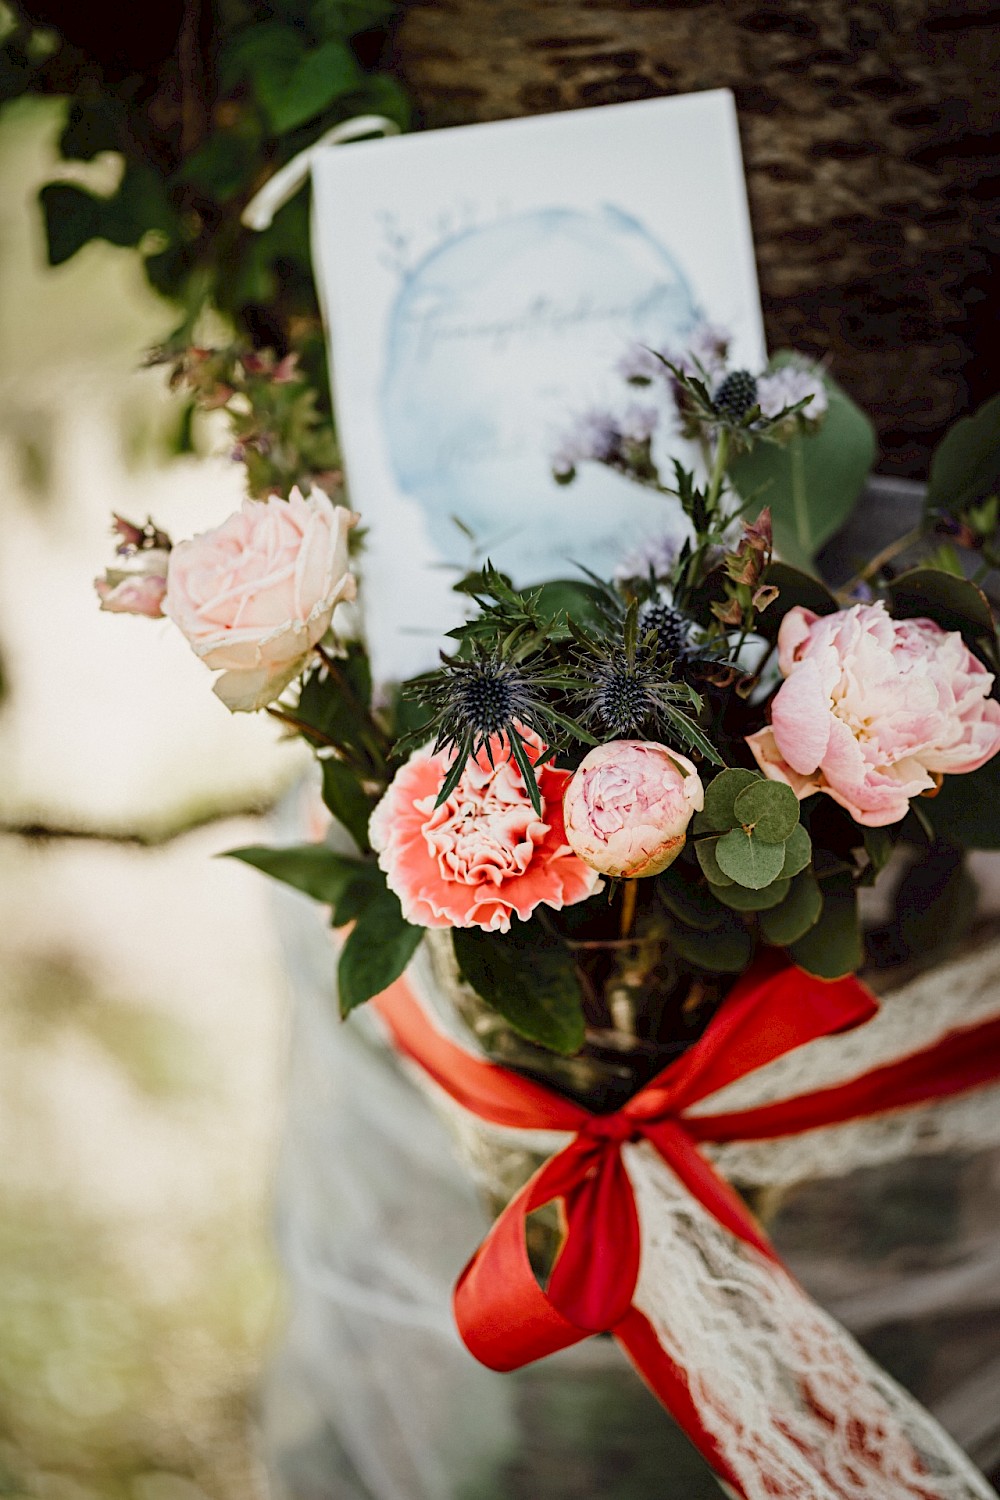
(481, 286)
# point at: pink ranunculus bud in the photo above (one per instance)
(137, 587)
(873, 711)
(628, 806)
(256, 594)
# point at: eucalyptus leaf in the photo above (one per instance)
(720, 797)
(741, 898)
(833, 947)
(748, 860)
(712, 870)
(727, 949)
(770, 809)
(378, 949)
(530, 979)
(813, 482)
(798, 851)
(687, 899)
(793, 917)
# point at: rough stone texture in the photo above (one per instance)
(867, 138)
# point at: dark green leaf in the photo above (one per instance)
(798, 851)
(291, 95)
(335, 706)
(748, 861)
(832, 948)
(795, 915)
(687, 899)
(741, 898)
(347, 800)
(954, 603)
(725, 950)
(967, 808)
(770, 809)
(879, 844)
(965, 467)
(688, 732)
(334, 879)
(378, 949)
(795, 589)
(813, 482)
(713, 872)
(529, 978)
(720, 799)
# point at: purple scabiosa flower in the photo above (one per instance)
(789, 384)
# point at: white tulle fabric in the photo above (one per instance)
(796, 1406)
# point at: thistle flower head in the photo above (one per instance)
(736, 395)
(672, 628)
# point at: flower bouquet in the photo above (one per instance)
(598, 875)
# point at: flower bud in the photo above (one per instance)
(628, 806)
(137, 586)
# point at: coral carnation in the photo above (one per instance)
(484, 855)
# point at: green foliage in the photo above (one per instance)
(724, 949)
(769, 810)
(795, 588)
(832, 947)
(748, 860)
(954, 603)
(746, 898)
(813, 481)
(967, 808)
(378, 949)
(347, 799)
(793, 917)
(719, 812)
(529, 978)
(347, 885)
(965, 468)
(711, 869)
(762, 842)
(798, 851)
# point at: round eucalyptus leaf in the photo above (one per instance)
(727, 950)
(711, 869)
(798, 851)
(795, 915)
(720, 796)
(769, 808)
(742, 899)
(748, 860)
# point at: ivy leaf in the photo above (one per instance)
(345, 797)
(378, 949)
(812, 482)
(292, 95)
(747, 860)
(345, 884)
(770, 809)
(529, 978)
(793, 917)
(833, 947)
(720, 799)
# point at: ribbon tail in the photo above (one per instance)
(503, 1315)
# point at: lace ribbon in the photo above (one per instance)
(660, 1250)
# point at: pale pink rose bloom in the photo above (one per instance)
(255, 595)
(628, 806)
(136, 587)
(484, 855)
(873, 711)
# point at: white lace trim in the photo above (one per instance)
(796, 1407)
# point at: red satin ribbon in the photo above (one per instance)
(504, 1316)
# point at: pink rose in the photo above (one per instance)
(874, 711)
(628, 806)
(137, 585)
(484, 855)
(255, 595)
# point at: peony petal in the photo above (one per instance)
(801, 718)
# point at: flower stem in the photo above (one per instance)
(718, 473)
(629, 895)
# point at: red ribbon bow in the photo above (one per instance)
(504, 1316)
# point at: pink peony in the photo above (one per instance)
(484, 854)
(874, 711)
(255, 595)
(137, 586)
(628, 806)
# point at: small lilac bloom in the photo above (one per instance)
(639, 423)
(787, 386)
